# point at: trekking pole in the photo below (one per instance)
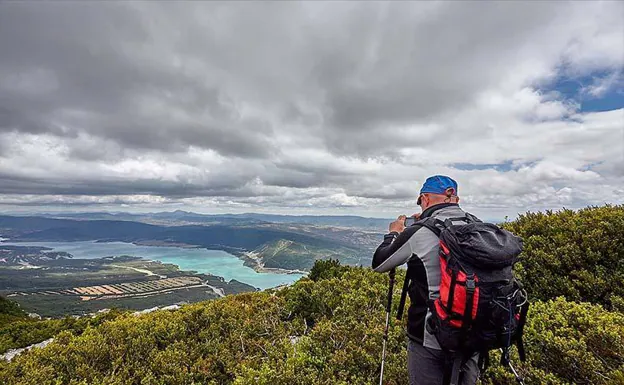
(513, 370)
(388, 310)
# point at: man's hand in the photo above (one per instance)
(417, 216)
(398, 225)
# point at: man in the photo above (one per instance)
(418, 247)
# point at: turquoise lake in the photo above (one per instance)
(215, 262)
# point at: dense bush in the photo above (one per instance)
(207, 343)
(10, 312)
(325, 269)
(579, 255)
(570, 343)
(24, 332)
(324, 332)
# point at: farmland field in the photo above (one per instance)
(51, 283)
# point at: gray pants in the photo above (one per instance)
(432, 367)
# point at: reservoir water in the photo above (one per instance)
(215, 262)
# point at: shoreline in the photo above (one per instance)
(250, 258)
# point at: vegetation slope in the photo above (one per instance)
(10, 312)
(327, 328)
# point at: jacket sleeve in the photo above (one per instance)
(394, 250)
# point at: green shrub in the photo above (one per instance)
(574, 343)
(578, 255)
(267, 338)
(325, 269)
(344, 344)
(24, 332)
(10, 312)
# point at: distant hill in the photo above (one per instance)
(179, 216)
(350, 221)
(234, 238)
(286, 254)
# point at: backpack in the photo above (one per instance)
(481, 306)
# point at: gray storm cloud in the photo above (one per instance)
(292, 103)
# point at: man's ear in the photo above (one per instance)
(450, 192)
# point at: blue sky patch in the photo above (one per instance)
(502, 167)
(576, 89)
(508, 165)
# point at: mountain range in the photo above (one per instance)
(180, 216)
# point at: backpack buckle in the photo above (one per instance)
(470, 283)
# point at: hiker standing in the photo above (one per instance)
(418, 246)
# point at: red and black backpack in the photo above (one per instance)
(481, 306)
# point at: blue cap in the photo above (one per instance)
(438, 184)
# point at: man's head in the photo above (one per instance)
(437, 189)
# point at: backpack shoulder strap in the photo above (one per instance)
(437, 225)
(434, 224)
(471, 218)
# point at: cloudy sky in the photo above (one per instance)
(315, 108)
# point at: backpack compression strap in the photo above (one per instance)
(519, 342)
